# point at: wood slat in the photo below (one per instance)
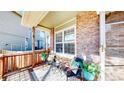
(9, 63)
(6, 62)
(14, 62)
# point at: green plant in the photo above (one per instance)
(92, 68)
(43, 56)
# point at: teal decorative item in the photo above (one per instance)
(88, 76)
(90, 71)
(74, 64)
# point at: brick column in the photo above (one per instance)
(87, 32)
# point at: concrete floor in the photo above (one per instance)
(21, 76)
(41, 73)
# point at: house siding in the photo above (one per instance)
(12, 32)
(115, 17)
(115, 47)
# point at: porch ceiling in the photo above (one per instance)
(32, 18)
(48, 19)
(55, 18)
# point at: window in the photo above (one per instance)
(59, 48)
(65, 41)
(69, 48)
(59, 45)
(69, 35)
(59, 37)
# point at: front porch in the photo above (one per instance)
(68, 37)
(19, 67)
(69, 34)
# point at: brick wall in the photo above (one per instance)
(115, 47)
(87, 35)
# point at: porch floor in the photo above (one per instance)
(40, 73)
(21, 76)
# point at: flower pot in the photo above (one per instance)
(88, 76)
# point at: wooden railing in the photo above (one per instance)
(14, 62)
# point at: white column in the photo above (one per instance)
(102, 44)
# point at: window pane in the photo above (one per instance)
(59, 37)
(59, 48)
(69, 48)
(69, 35)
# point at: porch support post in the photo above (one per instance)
(52, 39)
(2, 68)
(33, 45)
(102, 44)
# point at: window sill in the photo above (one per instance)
(65, 55)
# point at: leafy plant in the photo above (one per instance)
(43, 56)
(92, 68)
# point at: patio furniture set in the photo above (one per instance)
(77, 69)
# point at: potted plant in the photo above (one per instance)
(43, 56)
(91, 71)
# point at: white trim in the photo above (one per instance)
(66, 28)
(65, 55)
(114, 23)
(43, 29)
(102, 44)
(62, 31)
(54, 42)
(66, 22)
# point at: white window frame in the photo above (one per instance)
(62, 31)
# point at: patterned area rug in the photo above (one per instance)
(49, 73)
